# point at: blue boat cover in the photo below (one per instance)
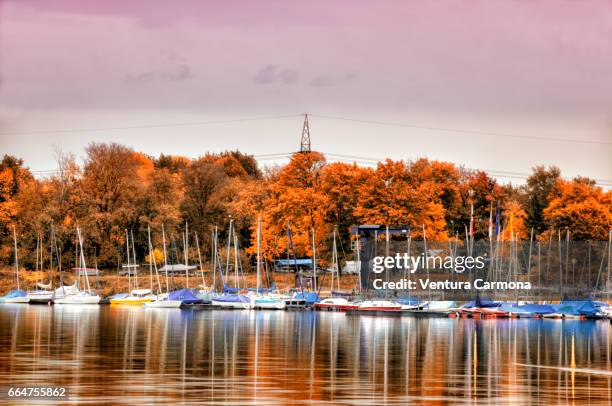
(227, 289)
(576, 307)
(528, 308)
(15, 293)
(263, 290)
(481, 302)
(309, 297)
(408, 301)
(232, 299)
(186, 296)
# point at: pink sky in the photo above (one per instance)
(528, 68)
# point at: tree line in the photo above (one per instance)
(117, 188)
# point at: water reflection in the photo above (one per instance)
(153, 356)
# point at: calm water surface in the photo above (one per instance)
(108, 354)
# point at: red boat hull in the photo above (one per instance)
(323, 306)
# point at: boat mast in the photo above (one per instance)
(37, 266)
(185, 249)
(335, 265)
(165, 258)
(200, 260)
(153, 260)
(16, 257)
(215, 258)
(314, 261)
(236, 265)
(426, 265)
(83, 260)
(127, 250)
(134, 260)
(258, 251)
(229, 242)
(358, 257)
(387, 255)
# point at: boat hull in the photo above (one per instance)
(335, 307)
(43, 297)
(21, 299)
(231, 305)
(268, 304)
(78, 300)
(163, 304)
(132, 301)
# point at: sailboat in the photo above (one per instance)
(73, 294)
(43, 292)
(204, 292)
(335, 303)
(17, 295)
(231, 298)
(163, 300)
(186, 296)
(262, 299)
(137, 296)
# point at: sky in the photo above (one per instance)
(500, 86)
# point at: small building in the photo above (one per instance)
(178, 269)
(290, 265)
(131, 269)
(88, 271)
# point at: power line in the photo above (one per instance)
(366, 161)
(161, 125)
(454, 130)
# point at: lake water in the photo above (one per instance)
(108, 354)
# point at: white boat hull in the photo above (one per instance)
(231, 305)
(22, 299)
(163, 304)
(78, 299)
(40, 297)
(269, 305)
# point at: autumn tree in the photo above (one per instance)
(580, 207)
(111, 191)
(13, 178)
(540, 185)
(391, 197)
(296, 198)
(203, 203)
(479, 189)
(341, 183)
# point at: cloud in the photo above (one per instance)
(332, 80)
(170, 68)
(274, 74)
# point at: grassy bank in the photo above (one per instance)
(109, 283)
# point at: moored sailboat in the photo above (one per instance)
(17, 295)
(75, 295)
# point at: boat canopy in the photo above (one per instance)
(263, 290)
(184, 295)
(309, 297)
(232, 299)
(482, 303)
(576, 307)
(15, 293)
